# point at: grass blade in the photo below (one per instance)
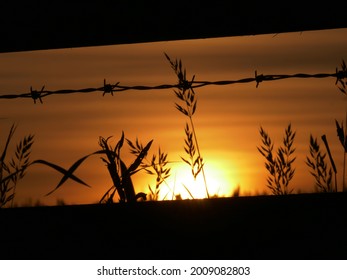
(132, 168)
(67, 173)
(12, 130)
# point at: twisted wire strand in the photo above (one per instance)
(110, 89)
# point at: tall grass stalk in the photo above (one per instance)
(332, 162)
(14, 170)
(187, 106)
(279, 165)
(318, 167)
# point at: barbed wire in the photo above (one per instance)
(37, 95)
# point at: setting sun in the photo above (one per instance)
(183, 185)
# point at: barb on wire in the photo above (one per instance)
(258, 78)
(183, 83)
(108, 88)
(36, 94)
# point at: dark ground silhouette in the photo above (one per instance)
(305, 226)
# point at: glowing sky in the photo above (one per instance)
(227, 121)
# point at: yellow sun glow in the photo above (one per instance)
(181, 183)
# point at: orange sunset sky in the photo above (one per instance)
(227, 120)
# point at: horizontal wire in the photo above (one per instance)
(110, 89)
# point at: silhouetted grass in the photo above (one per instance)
(332, 162)
(319, 168)
(120, 173)
(187, 106)
(14, 170)
(157, 167)
(278, 165)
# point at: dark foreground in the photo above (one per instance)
(306, 226)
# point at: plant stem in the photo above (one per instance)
(324, 138)
(198, 150)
